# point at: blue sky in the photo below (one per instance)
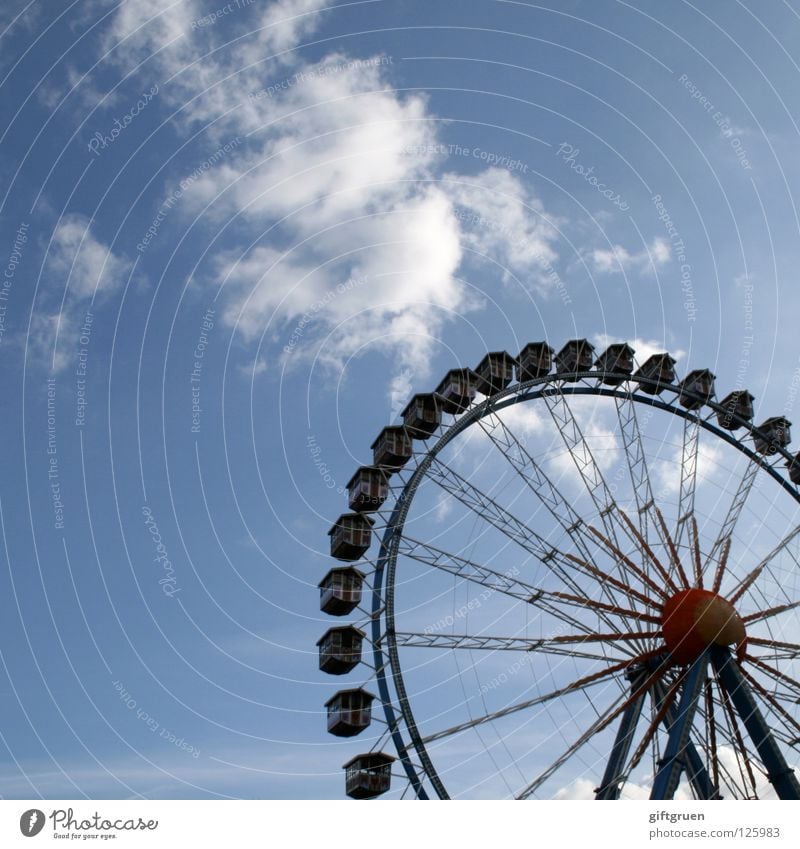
(231, 234)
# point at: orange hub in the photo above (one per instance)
(693, 620)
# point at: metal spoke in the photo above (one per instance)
(748, 581)
(636, 457)
(640, 481)
(540, 484)
(508, 524)
(492, 512)
(599, 605)
(691, 444)
(770, 612)
(776, 644)
(469, 642)
(575, 442)
(535, 478)
(602, 722)
(673, 551)
(575, 686)
(495, 643)
(608, 579)
(468, 569)
(734, 511)
(484, 576)
(773, 702)
(773, 673)
(626, 561)
(723, 562)
(653, 559)
(698, 565)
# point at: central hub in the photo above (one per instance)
(693, 620)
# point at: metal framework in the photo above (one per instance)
(634, 567)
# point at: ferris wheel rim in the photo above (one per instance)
(572, 383)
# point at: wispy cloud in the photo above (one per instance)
(619, 259)
(80, 269)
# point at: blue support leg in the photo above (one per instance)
(671, 765)
(696, 770)
(610, 785)
(780, 774)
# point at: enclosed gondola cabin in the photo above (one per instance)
(576, 356)
(794, 469)
(340, 590)
(368, 775)
(614, 362)
(535, 360)
(392, 449)
(773, 434)
(659, 368)
(367, 489)
(738, 404)
(700, 383)
(351, 536)
(349, 712)
(456, 391)
(340, 649)
(494, 372)
(422, 415)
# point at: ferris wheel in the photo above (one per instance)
(584, 583)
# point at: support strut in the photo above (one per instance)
(780, 774)
(611, 785)
(671, 765)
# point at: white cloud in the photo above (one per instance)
(619, 259)
(337, 175)
(89, 269)
(524, 420)
(286, 22)
(401, 388)
(503, 219)
(142, 28)
(668, 471)
(645, 348)
(338, 144)
(337, 164)
(399, 266)
(46, 327)
(339, 168)
(89, 266)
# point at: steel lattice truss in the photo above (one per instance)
(660, 652)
